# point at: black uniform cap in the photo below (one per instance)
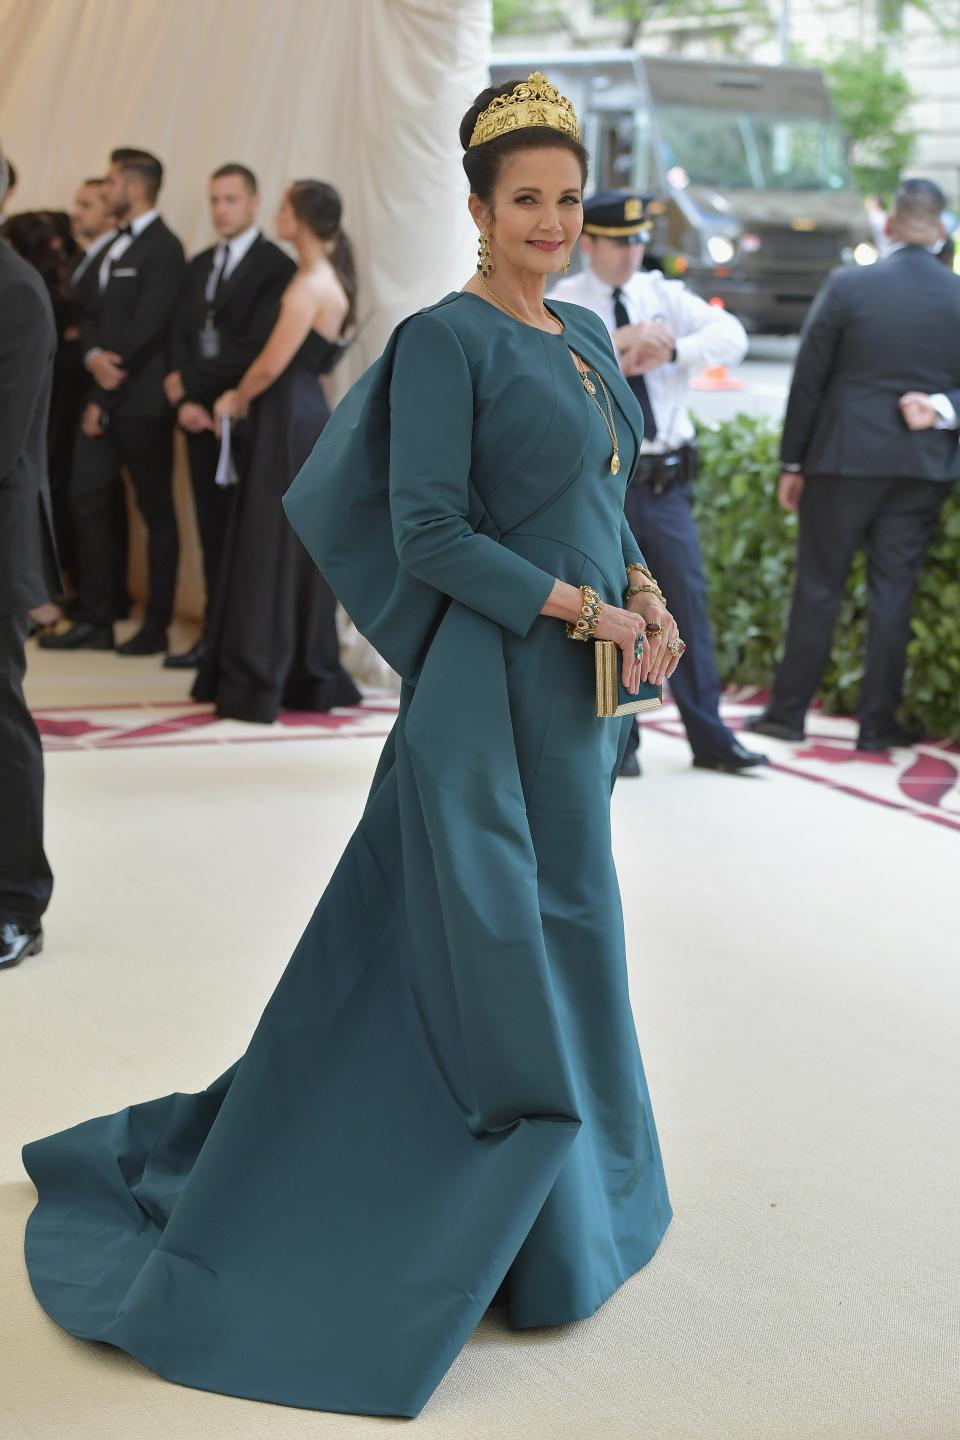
(617, 215)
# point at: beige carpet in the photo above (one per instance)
(794, 971)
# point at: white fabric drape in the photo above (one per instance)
(366, 94)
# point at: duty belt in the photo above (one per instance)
(661, 472)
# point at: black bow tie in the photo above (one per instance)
(124, 229)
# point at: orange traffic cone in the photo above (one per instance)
(715, 377)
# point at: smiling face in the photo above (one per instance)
(537, 213)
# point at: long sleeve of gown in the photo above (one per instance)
(632, 554)
(431, 430)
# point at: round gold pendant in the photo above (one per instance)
(615, 465)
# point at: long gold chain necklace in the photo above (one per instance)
(510, 310)
(583, 372)
(608, 420)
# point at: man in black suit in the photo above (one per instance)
(228, 304)
(127, 420)
(92, 226)
(865, 465)
(28, 578)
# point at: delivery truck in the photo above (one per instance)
(751, 195)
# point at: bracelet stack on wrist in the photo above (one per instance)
(649, 588)
(590, 612)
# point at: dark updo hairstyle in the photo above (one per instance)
(318, 206)
(63, 230)
(34, 239)
(483, 162)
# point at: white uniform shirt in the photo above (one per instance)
(705, 335)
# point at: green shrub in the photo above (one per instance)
(749, 547)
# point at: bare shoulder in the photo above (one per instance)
(322, 283)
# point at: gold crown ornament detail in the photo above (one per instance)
(533, 102)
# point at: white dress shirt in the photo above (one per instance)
(705, 335)
(123, 242)
(95, 248)
(227, 257)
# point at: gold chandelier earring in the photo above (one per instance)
(485, 259)
(566, 264)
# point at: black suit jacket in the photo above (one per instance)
(29, 574)
(244, 313)
(132, 316)
(82, 287)
(872, 334)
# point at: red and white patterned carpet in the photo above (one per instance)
(923, 782)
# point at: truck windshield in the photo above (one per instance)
(745, 150)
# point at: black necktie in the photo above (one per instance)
(217, 272)
(636, 382)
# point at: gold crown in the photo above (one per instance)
(533, 102)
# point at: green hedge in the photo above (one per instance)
(749, 546)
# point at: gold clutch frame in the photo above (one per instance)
(607, 659)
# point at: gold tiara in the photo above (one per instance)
(533, 102)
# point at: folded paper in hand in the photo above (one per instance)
(226, 470)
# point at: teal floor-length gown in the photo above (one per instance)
(444, 1096)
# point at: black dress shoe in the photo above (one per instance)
(82, 636)
(148, 641)
(898, 736)
(763, 724)
(189, 660)
(16, 942)
(732, 761)
(629, 765)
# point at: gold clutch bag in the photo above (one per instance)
(612, 699)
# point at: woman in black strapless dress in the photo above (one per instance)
(272, 640)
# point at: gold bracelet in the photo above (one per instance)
(590, 612)
(653, 589)
(635, 565)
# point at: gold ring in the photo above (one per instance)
(676, 647)
(654, 627)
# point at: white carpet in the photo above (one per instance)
(794, 972)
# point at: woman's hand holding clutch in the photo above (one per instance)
(625, 628)
(659, 661)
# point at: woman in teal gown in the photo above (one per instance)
(444, 1098)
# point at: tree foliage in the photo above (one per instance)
(872, 99)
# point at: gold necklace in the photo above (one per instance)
(510, 310)
(608, 420)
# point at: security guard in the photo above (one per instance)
(662, 332)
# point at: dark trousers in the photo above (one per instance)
(212, 503)
(145, 446)
(60, 448)
(25, 877)
(893, 521)
(666, 532)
